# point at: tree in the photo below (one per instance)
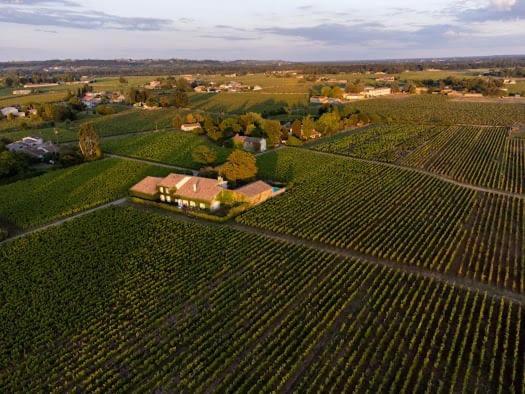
(326, 91)
(183, 85)
(211, 129)
(203, 155)
(122, 80)
(177, 122)
(180, 99)
(89, 142)
(328, 123)
(337, 92)
(240, 166)
(297, 128)
(308, 127)
(272, 130)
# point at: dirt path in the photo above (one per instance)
(64, 220)
(424, 172)
(153, 163)
(450, 279)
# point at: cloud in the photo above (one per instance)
(47, 31)
(79, 19)
(496, 10)
(66, 3)
(368, 33)
(228, 37)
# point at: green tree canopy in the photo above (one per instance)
(203, 155)
(240, 166)
(89, 142)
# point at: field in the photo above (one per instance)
(396, 215)
(172, 147)
(482, 156)
(160, 305)
(60, 193)
(42, 98)
(382, 142)
(240, 103)
(437, 110)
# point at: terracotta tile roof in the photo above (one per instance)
(197, 188)
(147, 186)
(172, 180)
(254, 189)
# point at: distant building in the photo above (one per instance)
(509, 82)
(375, 92)
(387, 78)
(255, 192)
(353, 96)
(39, 85)
(22, 92)
(153, 85)
(319, 100)
(257, 87)
(34, 147)
(11, 111)
(251, 144)
(190, 126)
(200, 89)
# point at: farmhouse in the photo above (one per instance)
(190, 126)
(185, 191)
(194, 192)
(509, 82)
(12, 111)
(153, 85)
(255, 192)
(39, 85)
(319, 100)
(387, 78)
(251, 144)
(22, 92)
(353, 96)
(34, 147)
(375, 92)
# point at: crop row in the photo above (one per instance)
(378, 142)
(173, 147)
(392, 214)
(434, 110)
(162, 305)
(477, 155)
(63, 192)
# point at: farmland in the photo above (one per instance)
(437, 110)
(382, 142)
(393, 214)
(240, 103)
(164, 306)
(63, 192)
(42, 98)
(172, 147)
(484, 156)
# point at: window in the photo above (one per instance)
(161, 189)
(162, 197)
(202, 206)
(192, 204)
(168, 199)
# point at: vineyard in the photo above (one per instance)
(396, 215)
(60, 193)
(437, 110)
(164, 306)
(172, 147)
(383, 142)
(484, 156)
(240, 103)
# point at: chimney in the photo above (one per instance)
(195, 186)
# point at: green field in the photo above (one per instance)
(60, 193)
(381, 142)
(122, 300)
(395, 214)
(40, 98)
(438, 110)
(172, 147)
(240, 103)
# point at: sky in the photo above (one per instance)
(294, 30)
